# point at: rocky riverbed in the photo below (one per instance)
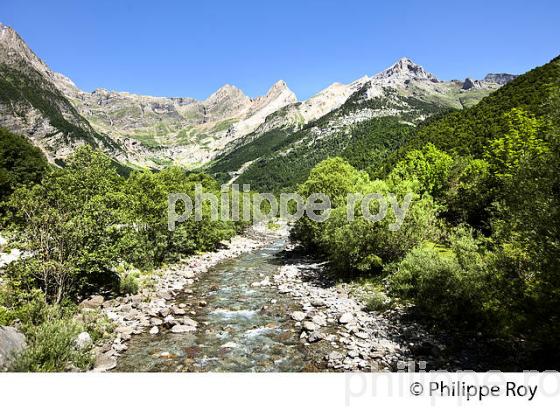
(257, 305)
(155, 309)
(354, 338)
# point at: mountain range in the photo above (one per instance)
(229, 133)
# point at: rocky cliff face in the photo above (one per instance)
(501, 78)
(32, 103)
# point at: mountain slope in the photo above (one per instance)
(57, 116)
(398, 98)
(467, 132)
(179, 130)
(32, 104)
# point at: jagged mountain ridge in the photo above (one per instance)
(404, 91)
(156, 131)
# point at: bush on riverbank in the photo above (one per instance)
(51, 332)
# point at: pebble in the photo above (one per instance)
(315, 337)
(309, 326)
(298, 316)
(182, 329)
(345, 318)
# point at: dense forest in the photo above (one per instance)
(478, 249)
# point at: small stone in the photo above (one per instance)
(93, 302)
(319, 320)
(105, 361)
(177, 311)
(202, 303)
(315, 337)
(83, 340)
(156, 321)
(309, 326)
(119, 347)
(124, 330)
(361, 335)
(187, 321)
(182, 329)
(154, 330)
(12, 342)
(169, 319)
(298, 316)
(345, 318)
(353, 354)
(166, 355)
(165, 295)
(335, 357)
(318, 302)
(229, 345)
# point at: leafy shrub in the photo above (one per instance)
(429, 166)
(452, 285)
(377, 302)
(365, 246)
(129, 284)
(20, 163)
(52, 348)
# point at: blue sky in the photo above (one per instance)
(186, 48)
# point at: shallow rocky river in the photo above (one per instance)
(259, 306)
(241, 327)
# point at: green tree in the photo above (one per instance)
(429, 166)
(522, 140)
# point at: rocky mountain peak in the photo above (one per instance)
(280, 90)
(8, 36)
(13, 50)
(226, 93)
(469, 83)
(278, 87)
(405, 69)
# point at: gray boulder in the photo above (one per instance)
(12, 342)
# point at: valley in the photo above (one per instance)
(467, 278)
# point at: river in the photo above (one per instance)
(242, 328)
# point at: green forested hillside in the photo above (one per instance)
(468, 131)
(284, 160)
(478, 250)
(366, 145)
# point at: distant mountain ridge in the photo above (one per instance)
(138, 130)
